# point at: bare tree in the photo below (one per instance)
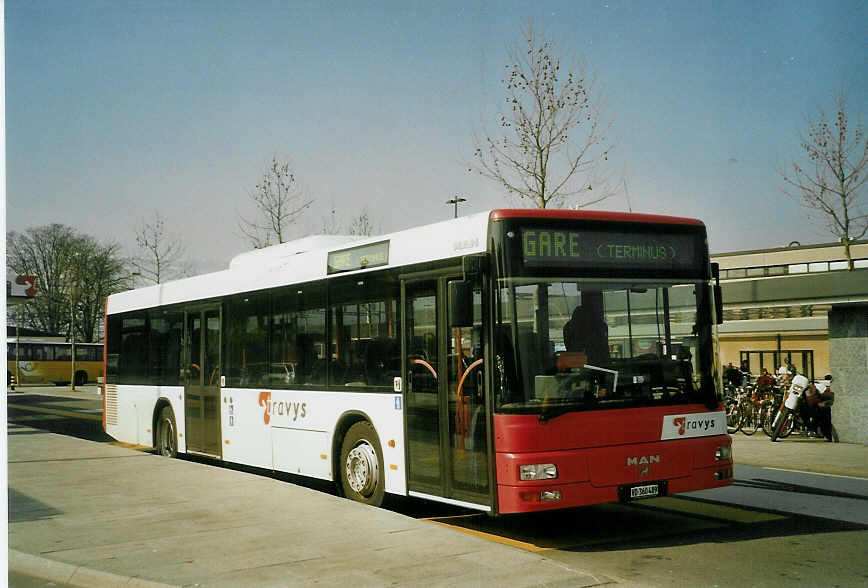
(101, 272)
(278, 201)
(553, 134)
(361, 224)
(829, 177)
(163, 256)
(330, 223)
(74, 273)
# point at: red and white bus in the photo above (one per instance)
(509, 361)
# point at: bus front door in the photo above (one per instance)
(447, 447)
(202, 382)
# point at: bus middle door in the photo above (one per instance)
(202, 381)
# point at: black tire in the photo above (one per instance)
(778, 425)
(80, 378)
(733, 417)
(167, 433)
(362, 475)
(768, 417)
(790, 424)
(749, 418)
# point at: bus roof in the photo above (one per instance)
(592, 215)
(306, 259)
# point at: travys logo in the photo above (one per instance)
(290, 410)
(693, 425)
(265, 400)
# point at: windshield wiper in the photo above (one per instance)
(554, 412)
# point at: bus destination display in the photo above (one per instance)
(362, 257)
(627, 249)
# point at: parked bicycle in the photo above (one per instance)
(749, 411)
(733, 414)
(742, 410)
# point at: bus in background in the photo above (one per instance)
(50, 362)
(509, 361)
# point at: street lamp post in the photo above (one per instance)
(455, 201)
(72, 334)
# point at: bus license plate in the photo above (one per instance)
(646, 491)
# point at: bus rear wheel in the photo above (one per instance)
(167, 433)
(80, 378)
(363, 478)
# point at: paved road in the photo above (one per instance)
(754, 533)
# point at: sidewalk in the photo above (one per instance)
(802, 454)
(92, 514)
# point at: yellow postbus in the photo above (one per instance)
(42, 362)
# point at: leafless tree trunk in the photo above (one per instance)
(829, 178)
(278, 201)
(163, 256)
(553, 143)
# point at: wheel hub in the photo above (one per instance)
(363, 470)
(167, 438)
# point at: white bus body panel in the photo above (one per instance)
(293, 430)
(297, 437)
(135, 413)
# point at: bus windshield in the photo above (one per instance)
(573, 344)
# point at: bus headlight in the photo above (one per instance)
(538, 471)
(723, 453)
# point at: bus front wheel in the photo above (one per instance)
(167, 433)
(80, 378)
(363, 478)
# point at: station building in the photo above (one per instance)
(801, 305)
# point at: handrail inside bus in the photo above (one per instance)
(424, 363)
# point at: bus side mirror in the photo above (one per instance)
(460, 303)
(718, 293)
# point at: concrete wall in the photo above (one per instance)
(848, 354)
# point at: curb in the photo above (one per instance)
(71, 575)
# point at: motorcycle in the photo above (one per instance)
(818, 410)
(789, 405)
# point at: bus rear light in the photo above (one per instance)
(723, 453)
(723, 474)
(544, 496)
(538, 471)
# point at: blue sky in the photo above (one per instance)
(117, 109)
